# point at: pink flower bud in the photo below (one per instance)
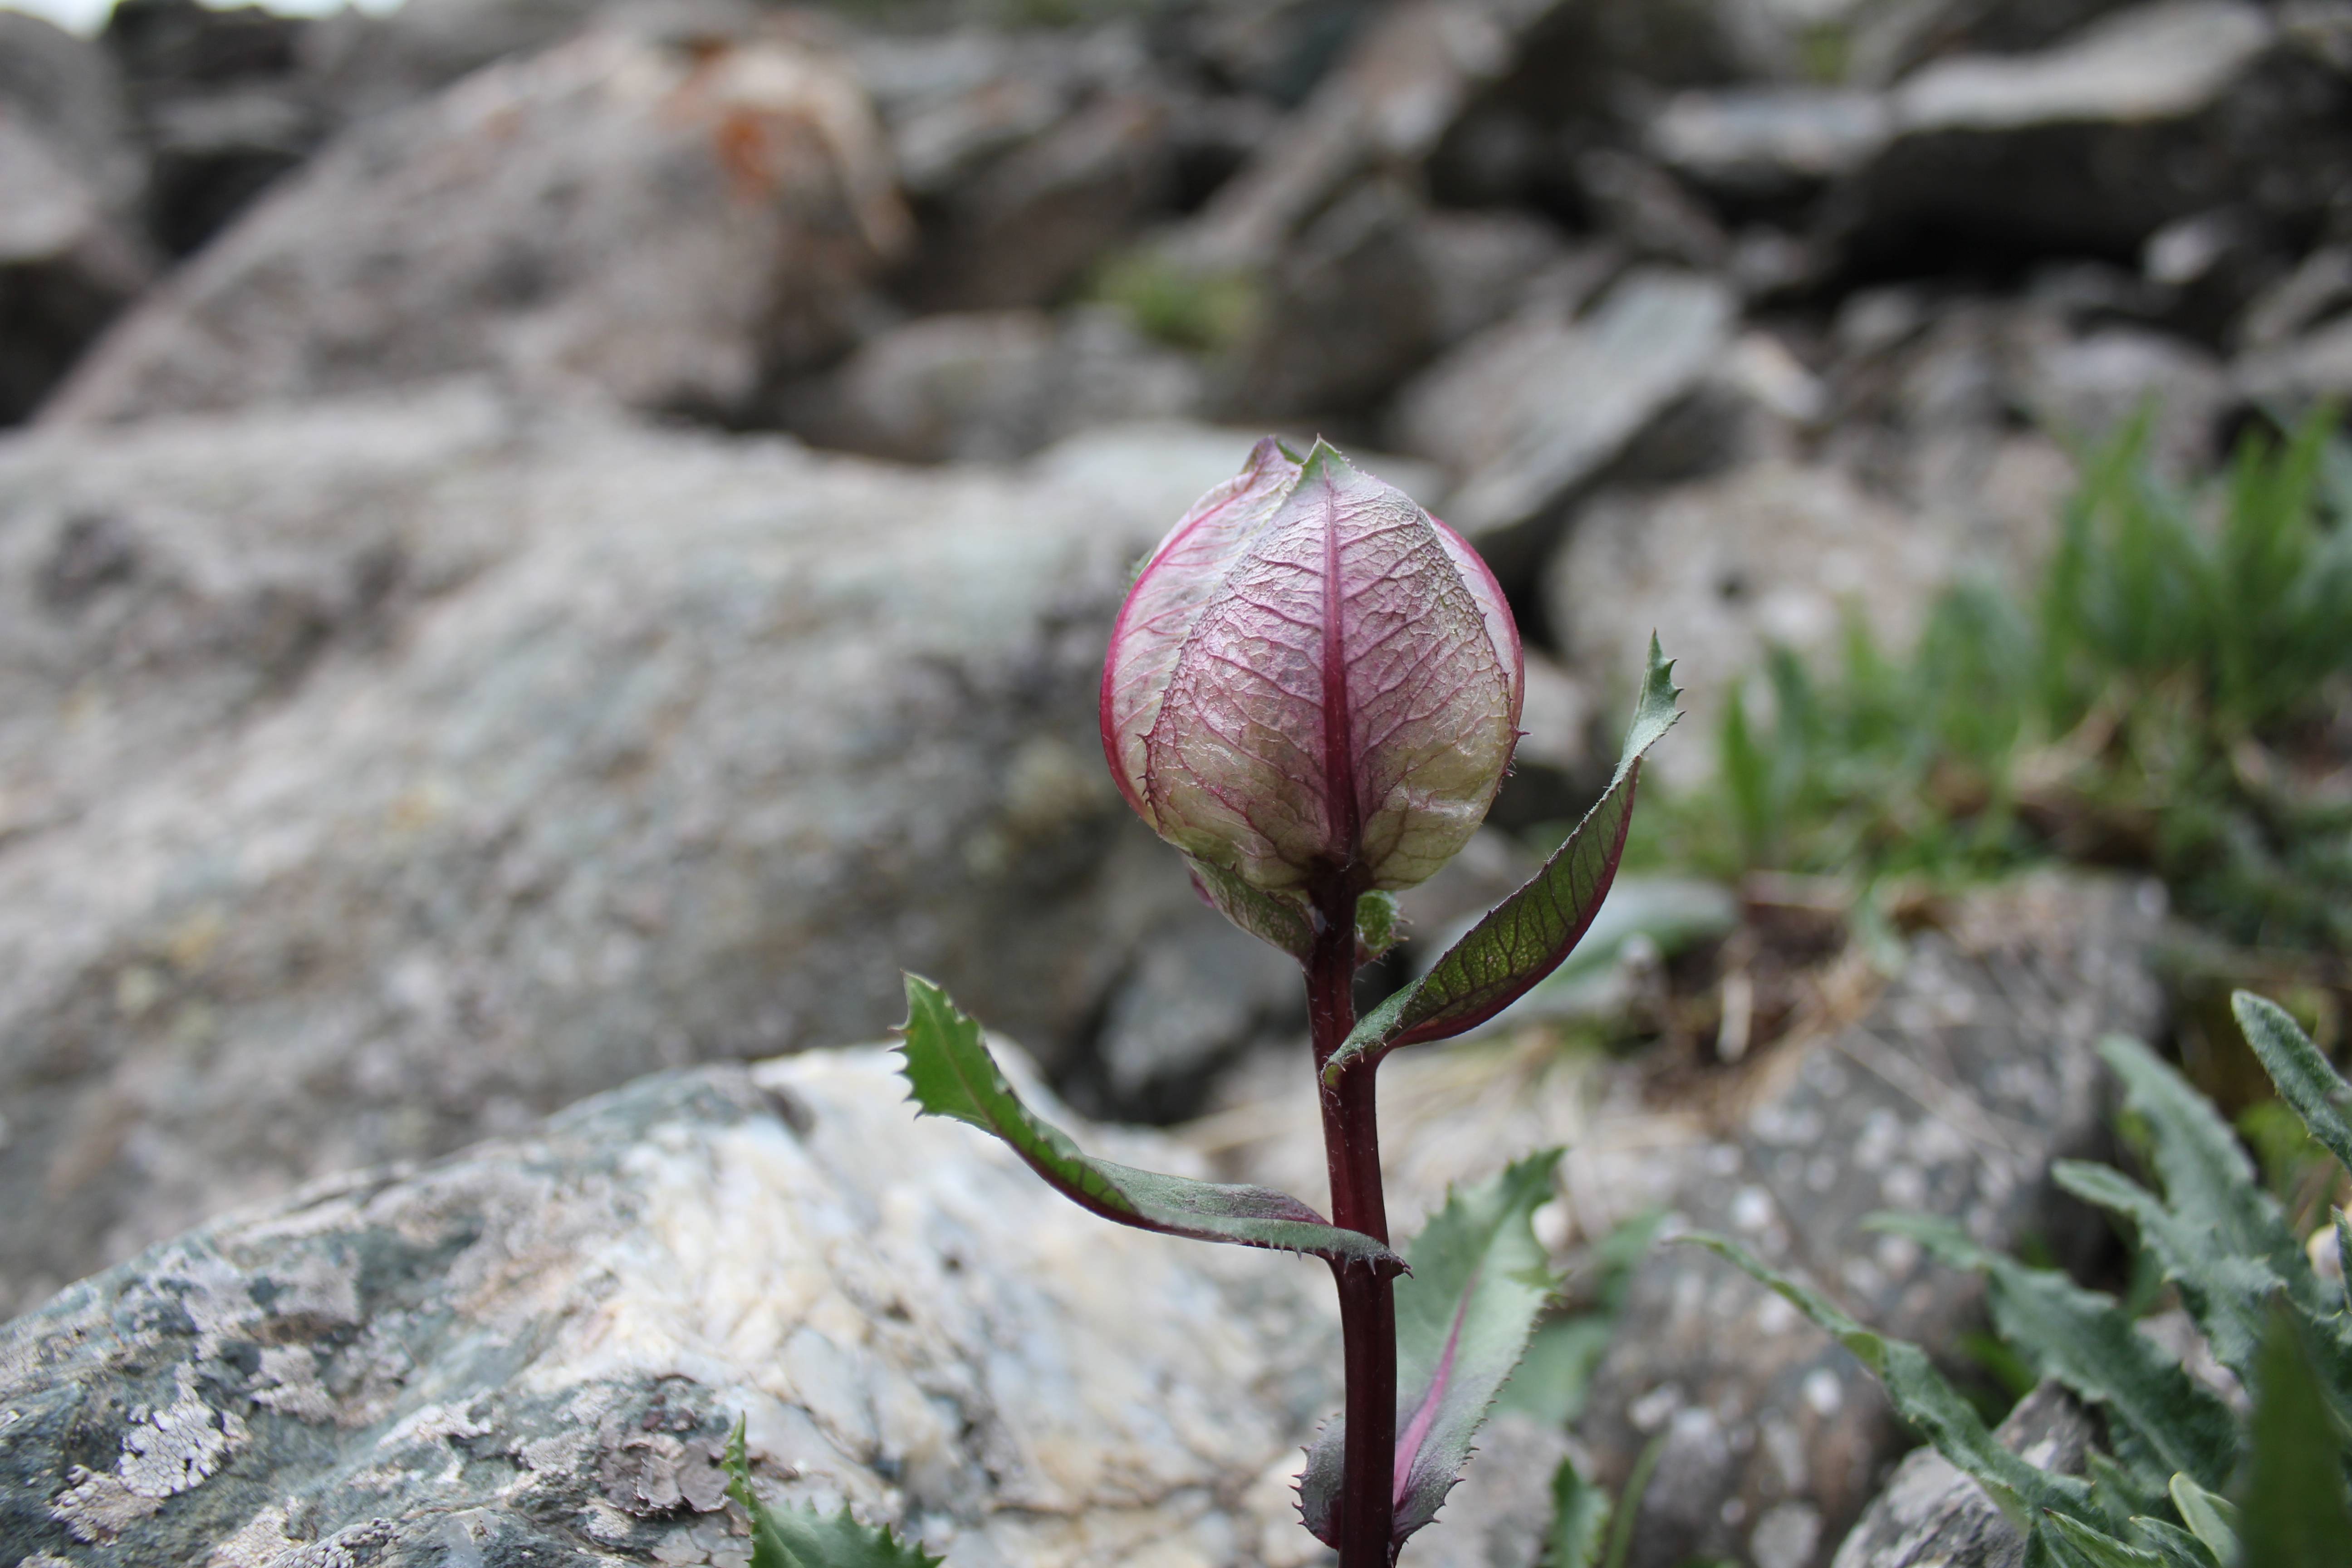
(1313, 684)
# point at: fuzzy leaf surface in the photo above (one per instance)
(1269, 917)
(1922, 1398)
(2085, 1340)
(793, 1537)
(1479, 1280)
(948, 1064)
(1526, 936)
(2095, 1548)
(2305, 1080)
(2222, 1289)
(2175, 1546)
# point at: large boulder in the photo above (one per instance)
(668, 226)
(71, 176)
(534, 1353)
(380, 774)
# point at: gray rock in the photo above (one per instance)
(991, 386)
(617, 217)
(2297, 376)
(350, 756)
(1953, 1095)
(2145, 116)
(1773, 554)
(1769, 142)
(70, 180)
(1537, 406)
(2318, 287)
(1405, 79)
(2084, 388)
(1931, 1514)
(533, 1351)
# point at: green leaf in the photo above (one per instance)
(2223, 1291)
(2085, 1340)
(1378, 925)
(1526, 936)
(1479, 1280)
(2173, 1546)
(2095, 1548)
(1580, 1521)
(2305, 1080)
(1269, 917)
(793, 1537)
(1629, 1502)
(2209, 1181)
(948, 1064)
(2212, 1518)
(1922, 1398)
(2295, 1514)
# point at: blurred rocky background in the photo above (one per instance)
(547, 541)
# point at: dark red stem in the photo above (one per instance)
(1351, 1147)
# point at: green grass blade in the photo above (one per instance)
(2305, 1080)
(2095, 1548)
(948, 1064)
(2174, 1546)
(1526, 936)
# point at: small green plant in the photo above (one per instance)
(2185, 1479)
(791, 1537)
(2163, 700)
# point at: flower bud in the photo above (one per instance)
(1313, 684)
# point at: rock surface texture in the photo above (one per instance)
(1931, 1514)
(532, 1353)
(349, 758)
(667, 227)
(1953, 1096)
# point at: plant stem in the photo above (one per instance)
(1351, 1148)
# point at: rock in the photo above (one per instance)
(1537, 406)
(2320, 286)
(2297, 376)
(533, 1351)
(1953, 1096)
(1778, 553)
(1769, 143)
(1931, 1513)
(667, 227)
(1405, 78)
(2084, 389)
(1026, 171)
(223, 103)
(70, 180)
(991, 386)
(2145, 116)
(351, 755)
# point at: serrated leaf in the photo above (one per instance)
(2305, 1080)
(1269, 917)
(2095, 1548)
(948, 1064)
(2213, 1520)
(1479, 1280)
(2295, 1515)
(1580, 1521)
(2209, 1181)
(795, 1537)
(1526, 936)
(2085, 1340)
(1922, 1397)
(2221, 1290)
